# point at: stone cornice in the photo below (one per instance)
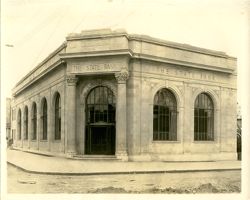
(96, 36)
(118, 52)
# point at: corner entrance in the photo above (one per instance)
(100, 122)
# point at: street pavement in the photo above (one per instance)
(42, 164)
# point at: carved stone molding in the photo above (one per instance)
(147, 82)
(193, 89)
(152, 85)
(87, 86)
(217, 92)
(122, 76)
(166, 83)
(181, 89)
(71, 79)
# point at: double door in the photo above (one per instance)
(100, 139)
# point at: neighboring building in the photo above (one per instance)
(239, 131)
(239, 116)
(129, 97)
(8, 121)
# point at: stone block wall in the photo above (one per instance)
(146, 78)
(44, 88)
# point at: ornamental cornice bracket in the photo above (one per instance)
(122, 75)
(71, 79)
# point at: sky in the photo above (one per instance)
(32, 29)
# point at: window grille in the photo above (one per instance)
(19, 125)
(203, 118)
(101, 105)
(58, 117)
(165, 116)
(44, 120)
(26, 123)
(34, 122)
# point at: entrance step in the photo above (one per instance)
(96, 157)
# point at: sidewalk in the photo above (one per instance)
(62, 166)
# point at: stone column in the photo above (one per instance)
(71, 114)
(121, 115)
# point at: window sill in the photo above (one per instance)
(165, 141)
(57, 141)
(43, 140)
(34, 140)
(204, 142)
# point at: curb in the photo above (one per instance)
(120, 173)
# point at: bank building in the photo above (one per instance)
(109, 94)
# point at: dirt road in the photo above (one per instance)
(191, 182)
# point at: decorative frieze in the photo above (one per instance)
(186, 73)
(86, 67)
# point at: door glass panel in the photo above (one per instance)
(100, 118)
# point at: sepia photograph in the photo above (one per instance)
(119, 97)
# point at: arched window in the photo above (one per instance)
(26, 123)
(165, 116)
(19, 124)
(100, 105)
(44, 119)
(57, 117)
(34, 121)
(203, 118)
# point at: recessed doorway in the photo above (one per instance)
(100, 122)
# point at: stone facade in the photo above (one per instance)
(134, 68)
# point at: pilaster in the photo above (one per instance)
(121, 115)
(71, 114)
